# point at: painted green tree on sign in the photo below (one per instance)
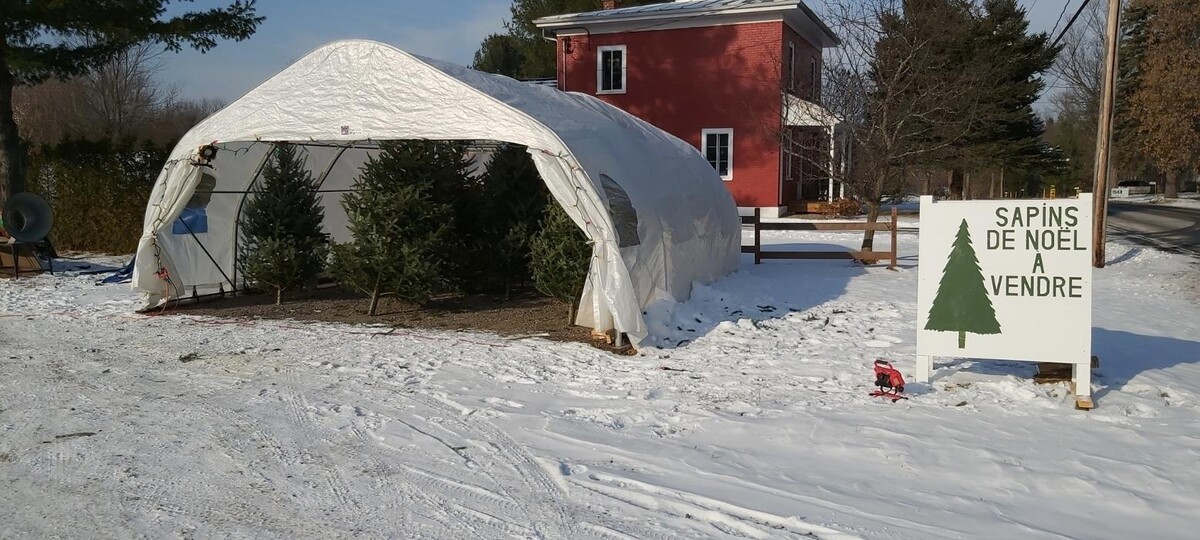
(962, 304)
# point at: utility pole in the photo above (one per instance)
(1104, 136)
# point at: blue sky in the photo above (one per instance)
(446, 29)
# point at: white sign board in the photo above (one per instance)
(1006, 279)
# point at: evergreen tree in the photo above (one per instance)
(1008, 133)
(561, 257)
(962, 304)
(499, 54)
(40, 39)
(1127, 148)
(513, 200)
(400, 222)
(455, 188)
(283, 245)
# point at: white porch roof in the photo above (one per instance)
(803, 113)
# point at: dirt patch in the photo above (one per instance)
(524, 314)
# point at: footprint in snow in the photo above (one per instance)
(505, 402)
(569, 469)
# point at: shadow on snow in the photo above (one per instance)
(770, 290)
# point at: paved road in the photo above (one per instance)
(1172, 228)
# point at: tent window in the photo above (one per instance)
(623, 214)
(611, 70)
(718, 150)
(194, 218)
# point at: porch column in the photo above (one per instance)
(832, 156)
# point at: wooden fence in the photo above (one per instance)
(866, 257)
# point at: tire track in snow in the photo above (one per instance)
(435, 510)
(302, 418)
(727, 517)
(474, 504)
(549, 516)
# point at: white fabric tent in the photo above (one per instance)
(657, 213)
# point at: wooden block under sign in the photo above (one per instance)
(1054, 372)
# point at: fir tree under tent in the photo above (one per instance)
(615, 175)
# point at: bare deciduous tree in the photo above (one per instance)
(901, 103)
(123, 98)
(122, 94)
(1079, 68)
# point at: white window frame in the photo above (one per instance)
(791, 72)
(704, 133)
(600, 68)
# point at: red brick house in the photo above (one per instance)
(736, 78)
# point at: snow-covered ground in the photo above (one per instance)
(749, 417)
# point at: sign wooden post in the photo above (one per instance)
(1007, 280)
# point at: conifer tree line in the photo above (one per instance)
(422, 225)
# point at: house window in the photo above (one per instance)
(791, 67)
(610, 70)
(718, 150)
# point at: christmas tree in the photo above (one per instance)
(513, 202)
(560, 258)
(400, 224)
(962, 304)
(282, 243)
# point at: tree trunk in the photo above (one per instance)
(956, 184)
(12, 166)
(571, 313)
(966, 190)
(1171, 185)
(925, 184)
(374, 309)
(868, 242)
(278, 295)
(992, 186)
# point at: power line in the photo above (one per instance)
(1060, 16)
(1078, 12)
